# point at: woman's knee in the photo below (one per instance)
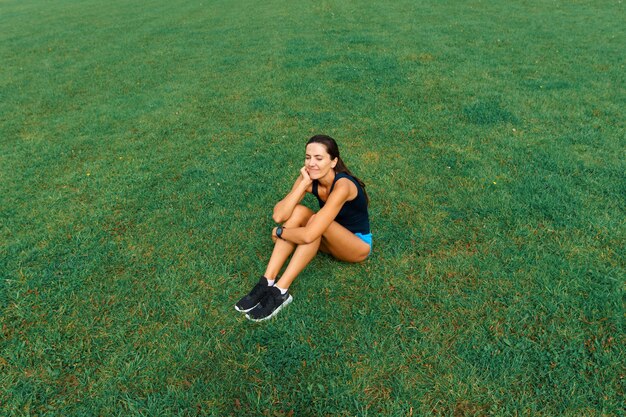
(300, 216)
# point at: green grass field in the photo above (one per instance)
(144, 144)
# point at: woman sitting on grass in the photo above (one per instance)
(340, 228)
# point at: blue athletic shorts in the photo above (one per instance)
(367, 238)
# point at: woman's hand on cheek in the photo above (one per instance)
(305, 176)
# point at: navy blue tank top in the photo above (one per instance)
(353, 215)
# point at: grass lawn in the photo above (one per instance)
(144, 144)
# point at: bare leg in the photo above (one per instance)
(301, 258)
(283, 248)
(344, 245)
(336, 240)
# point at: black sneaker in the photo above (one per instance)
(250, 301)
(270, 305)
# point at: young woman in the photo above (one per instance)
(340, 228)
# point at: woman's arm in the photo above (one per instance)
(320, 222)
(284, 208)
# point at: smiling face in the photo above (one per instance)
(317, 161)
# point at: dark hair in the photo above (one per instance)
(333, 150)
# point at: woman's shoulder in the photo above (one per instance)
(342, 177)
(347, 183)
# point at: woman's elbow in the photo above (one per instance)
(277, 216)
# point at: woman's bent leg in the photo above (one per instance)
(301, 258)
(344, 245)
(283, 248)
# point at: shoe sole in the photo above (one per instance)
(245, 311)
(283, 305)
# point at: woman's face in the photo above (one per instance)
(317, 161)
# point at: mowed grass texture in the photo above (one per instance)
(143, 145)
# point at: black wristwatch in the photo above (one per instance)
(279, 232)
